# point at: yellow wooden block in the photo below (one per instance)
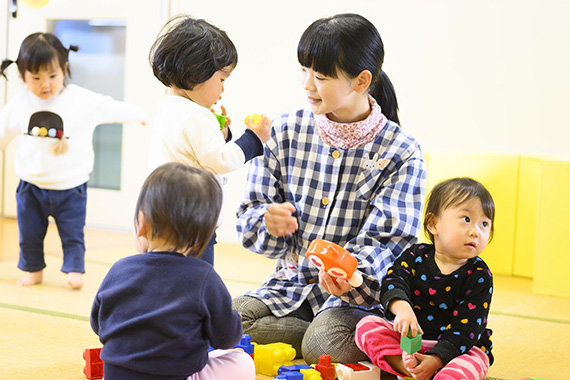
(499, 174)
(552, 259)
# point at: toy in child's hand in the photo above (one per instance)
(256, 118)
(411, 344)
(221, 119)
(334, 260)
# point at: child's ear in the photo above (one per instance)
(142, 228)
(431, 221)
(362, 81)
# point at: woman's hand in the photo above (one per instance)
(279, 220)
(332, 287)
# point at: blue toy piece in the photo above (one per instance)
(245, 344)
(292, 368)
(290, 376)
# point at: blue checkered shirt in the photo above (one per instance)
(368, 199)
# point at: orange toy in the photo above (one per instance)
(335, 260)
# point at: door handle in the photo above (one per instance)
(14, 8)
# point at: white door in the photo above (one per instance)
(3, 41)
(116, 38)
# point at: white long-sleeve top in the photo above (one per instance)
(81, 111)
(189, 133)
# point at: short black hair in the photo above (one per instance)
(456, 191)
(189, 51)
(181, 204)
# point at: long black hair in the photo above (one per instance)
(39, 50)
(351, 43)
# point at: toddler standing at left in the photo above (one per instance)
(55, 154)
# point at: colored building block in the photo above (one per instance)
(246, 345)
(93, 364)
(292, 368)
(410, 343)
(334, 260)
(311, 374)
(357, 371)
(326, 368)
(290, 376)
(269, 357)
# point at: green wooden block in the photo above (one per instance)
(411, 344)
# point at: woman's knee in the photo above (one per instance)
(250, 309)
(332, 333)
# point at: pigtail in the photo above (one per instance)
(385, 95)
(73, 48)
(5, 64)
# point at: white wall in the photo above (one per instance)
(481, 75)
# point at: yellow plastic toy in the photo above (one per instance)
(311, 374)
(256, 118)
(269, 357)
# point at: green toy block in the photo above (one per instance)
(221, 120)
(411, 344)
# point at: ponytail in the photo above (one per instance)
(5, 64)
(384, 93)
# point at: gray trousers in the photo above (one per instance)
(331, 332)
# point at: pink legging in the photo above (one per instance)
(222, 364)
(377, 338)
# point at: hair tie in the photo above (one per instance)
(5, 64)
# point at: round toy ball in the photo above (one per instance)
(43, 131)
(59, 133)
(256, 118)
(52, 132)
(35, 131)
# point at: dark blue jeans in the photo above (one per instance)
(68, 208)
(208, 254)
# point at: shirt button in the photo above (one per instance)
(325, 201)
(336, 154)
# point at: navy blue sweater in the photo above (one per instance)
(157, 313)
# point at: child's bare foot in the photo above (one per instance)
(32, 278)
(410, 361)
(75, 280)
(397, 364)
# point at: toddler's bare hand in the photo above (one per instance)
(263, 129)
